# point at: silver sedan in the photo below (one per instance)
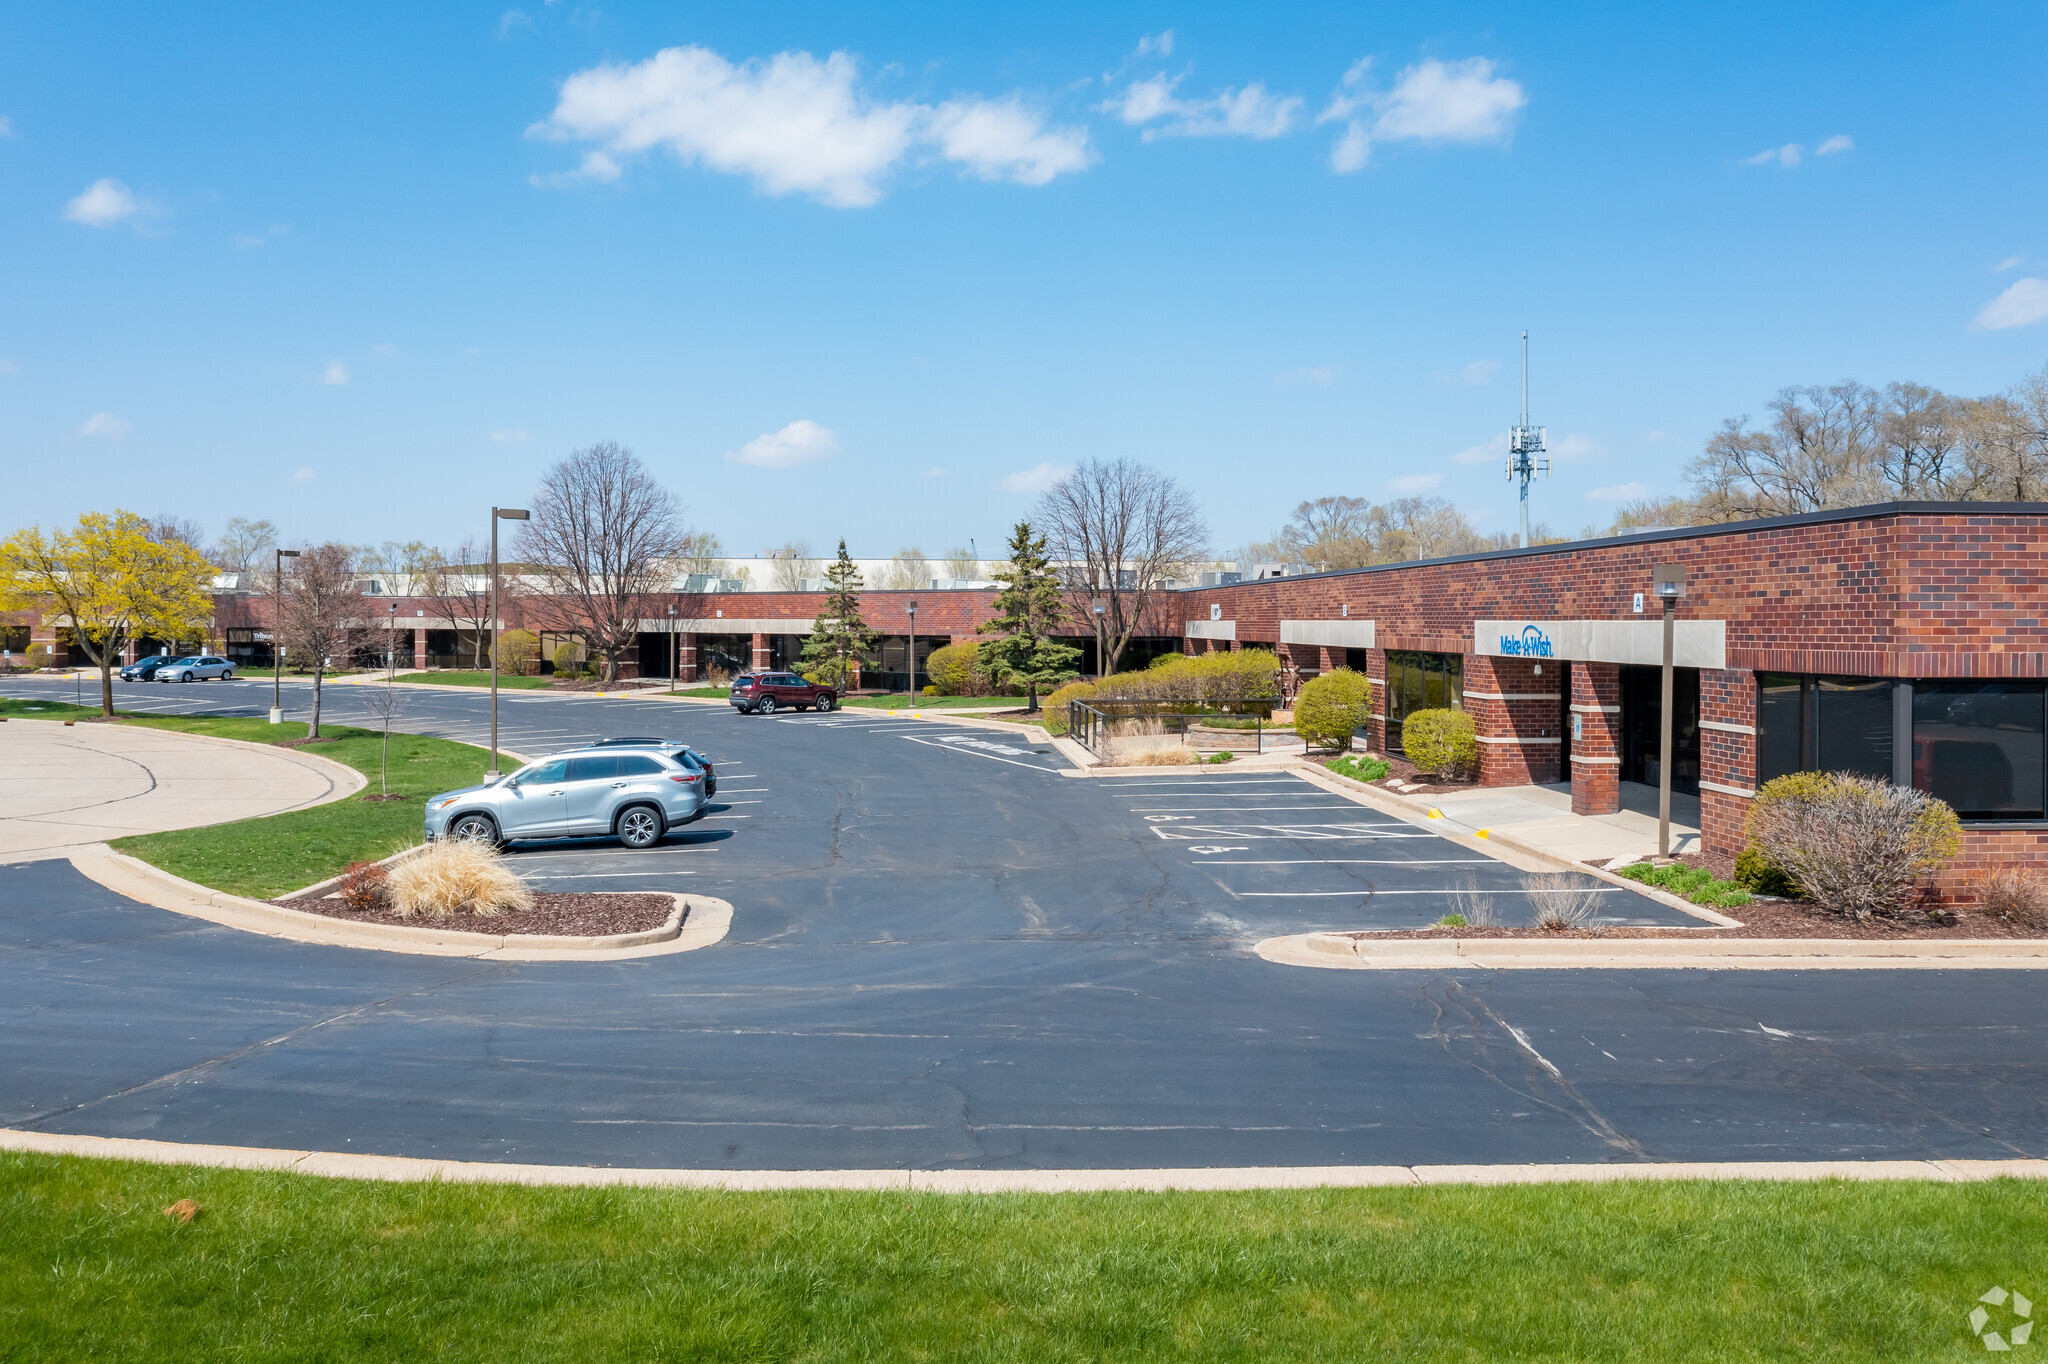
(197, 668)
(635, 796)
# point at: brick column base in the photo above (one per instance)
(686, 654)
(419, 650)
(1596, 738)
(761, 655)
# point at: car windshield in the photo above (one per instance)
(193, 659)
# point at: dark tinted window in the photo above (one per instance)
(689, 760)
(1855, 724)
(1777, 726)
(595, 767)
(1979, 746)
(640, 765)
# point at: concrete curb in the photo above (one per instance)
(708, 920)
(1340, 952)
(350, 1165)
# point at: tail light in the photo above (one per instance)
(684, 777)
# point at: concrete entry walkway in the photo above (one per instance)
(66, 787)
(1541, 817)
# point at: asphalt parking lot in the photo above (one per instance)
(944, 953)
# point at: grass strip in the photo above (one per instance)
(1696, 884)
(45, 710)
(266, 857)
(281, 1266)
(1360, 768)
(466, 678)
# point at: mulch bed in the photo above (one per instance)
(374, 799)
(585, 914)
(1768, 919)
(301, 743)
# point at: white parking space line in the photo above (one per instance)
(1338, 894)
(955, 748)
(1232, 809)
(603, 875)
(1354, 862)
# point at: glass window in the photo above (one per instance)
(545, 774)
(1854, 722)
(1778, 717)
(1979, 746)
(640, 765)
(596, 767)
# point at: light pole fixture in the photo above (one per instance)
(277, 636)
(497, 514)
(910, 659)
(391, 644)
(1668, 584)
(674, 650)
(1097, 606)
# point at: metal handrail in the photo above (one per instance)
(1088, 722)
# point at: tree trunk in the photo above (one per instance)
(313, 727)
(106, 689)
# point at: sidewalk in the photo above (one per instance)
(1541, 817)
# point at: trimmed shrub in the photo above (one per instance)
(40, 656)
(456, 876)
(1361, 769)
(1200, 679)
(1759, 875)
(955, 670)
(362, 885)
(1329, 710)
(1856, 845)
(1054, 707)
(568, 659)
(519, 652)
(1440, 742)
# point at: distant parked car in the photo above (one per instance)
(196, 668)
(766, 693)
(675, 746)
(145, 669)
(636, 795)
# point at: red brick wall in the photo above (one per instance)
(1596, 752)
(1515, 709)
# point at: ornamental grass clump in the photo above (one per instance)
(455, 876)
(1563, 901)
(1332, 708)
(1855, 845)
(1442, 743)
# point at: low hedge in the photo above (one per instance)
(1440, 742)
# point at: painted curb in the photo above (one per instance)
(1340, 952)
(351, 1165)
(708, 920)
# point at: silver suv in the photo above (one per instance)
(636, 795)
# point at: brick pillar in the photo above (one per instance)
(1235, 646)
(1596, 742)
(686, 650)
(1514, 709)
(761, 656)
(419, 648)
(1376, 673)
(1323, 662)
(1727, 762)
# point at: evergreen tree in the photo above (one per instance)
(1031, 609)
(839, 638)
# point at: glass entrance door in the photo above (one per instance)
(1641, 712)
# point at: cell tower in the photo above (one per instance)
(1525, 447)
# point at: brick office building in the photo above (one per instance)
(1908, 641)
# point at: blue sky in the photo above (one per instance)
(872, 272)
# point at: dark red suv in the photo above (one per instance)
(766, 693)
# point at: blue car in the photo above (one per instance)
(145, 669)
(197, 668)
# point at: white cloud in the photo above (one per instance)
(7, 124)
(1159, 46)
(797, 443)
(935, 472)
(513, 19)
(1319, 375)
(595, 169)
(2009, 263)
(106, 424)
(2022, 305)
(1035, 479)
(795, 125)
(304, 475)
(335, 374)
(1414, 483)
(1497, 448)
(1620, 492)
(511, 435)
(1431, 102)
(1786, 156)
(103, 204)
(1479, 371)
(384, 350)
(1253, 111)
(1840, 142)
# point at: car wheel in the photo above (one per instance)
(184, 677)
(767, 706)
(474, 829)
(640, 827)
(228, 676)
(824, 704)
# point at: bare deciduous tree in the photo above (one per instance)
(909, 571)
(244, 545)
(1120, 528)
(793, 563)
(459, 587)
(961, 563)
(602, 537)
(322, 608)
(1353, 532)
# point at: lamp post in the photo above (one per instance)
(1669, 584)
(910, 660)
(497, 514)
(1096, 607)
(277, 636)
(673, 652)
(391, 644)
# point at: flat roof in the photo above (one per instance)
(1669, 533)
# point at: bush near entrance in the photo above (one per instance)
(1332, 708)
(1055, 705)
(1856, 845)
(1440, 742)
(955, 670)
(518, 652)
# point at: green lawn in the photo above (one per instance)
(453, 678)
(48, 710)
(289, 1267)
(267, 857)
(930, 702)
